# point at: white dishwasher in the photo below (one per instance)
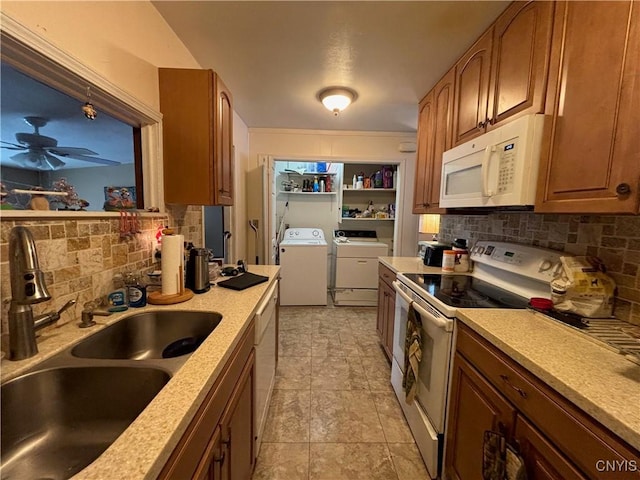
(265, 369)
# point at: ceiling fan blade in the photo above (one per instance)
(37, 160)
(66, 151)
(14, 146)
(86, 158)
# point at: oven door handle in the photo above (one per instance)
(439, 322)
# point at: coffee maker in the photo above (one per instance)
(198, 270)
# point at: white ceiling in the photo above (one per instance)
(276, 56)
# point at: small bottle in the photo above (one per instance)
(136, 291)
(322, 185)
(355, 179)
(448, 260)
(117, 299)
(316, 186)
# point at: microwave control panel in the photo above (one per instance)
(506, 166)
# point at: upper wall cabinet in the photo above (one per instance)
(434, 138)
(504, 73)
(592, 161)
(197, 127)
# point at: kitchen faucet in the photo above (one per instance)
(27, 288)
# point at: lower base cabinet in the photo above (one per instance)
(219, 442)
(386, 308)
(555, 439)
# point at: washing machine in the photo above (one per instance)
(355, 270)
(303, 267)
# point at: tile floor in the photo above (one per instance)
(333, 413)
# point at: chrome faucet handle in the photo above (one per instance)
(50, 317)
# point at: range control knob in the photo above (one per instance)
(315, 233)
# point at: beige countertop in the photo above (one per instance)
(408, 265)
(598, 380)
(144, 447)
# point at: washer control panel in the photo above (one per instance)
(304, 234)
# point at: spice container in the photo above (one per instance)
(448, 260)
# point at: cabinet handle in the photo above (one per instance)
(492, 121)
(506, 380)
(220, 459)
(623, 189)
(481, 125)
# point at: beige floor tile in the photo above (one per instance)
(344, 416)
(351, 461)
(293, 373)
(394, 425)
(337, 373)
(326, 346)
(294, 345)
(408, 462)
(282, 461)
(378, 373)
(330, 327)
(288, 417)
(295, 326)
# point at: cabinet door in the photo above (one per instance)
(475, 407)
(519, 62)
(391, 313)
(592, 161)
(224, 145)
(237, 427)
(382, 310)
(424, 154)
(212, 460)
(186, 102)
(442, 135)
(471, 89)
(542, 460)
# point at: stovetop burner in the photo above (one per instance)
(465, 291)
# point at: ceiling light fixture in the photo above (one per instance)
(88, 109)
(336, 99)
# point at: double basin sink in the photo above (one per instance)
(62, 414)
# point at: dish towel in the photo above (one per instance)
(412, 354)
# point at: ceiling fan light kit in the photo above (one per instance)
(88, 109)
(336, 99)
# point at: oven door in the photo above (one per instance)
(437, 339)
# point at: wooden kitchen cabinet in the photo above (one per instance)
(591, 163)
(197, 135)
(475, 407)
(218, 443)
(386, 308)
(434, 138)
(556, 439)
(504, 74)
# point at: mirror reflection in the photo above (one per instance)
(78, 156)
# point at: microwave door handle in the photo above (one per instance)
(486, 159)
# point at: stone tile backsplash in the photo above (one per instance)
(79, 257)
(615, 239)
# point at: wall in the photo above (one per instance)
(615, 239)
(79, 259)
(342, 146)
(125, 42)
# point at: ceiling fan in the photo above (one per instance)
(42, 152)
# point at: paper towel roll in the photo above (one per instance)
(172, 264)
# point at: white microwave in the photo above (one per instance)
(497, 169)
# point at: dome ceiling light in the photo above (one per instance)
(336, 99)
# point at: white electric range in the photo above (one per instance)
(504, 276)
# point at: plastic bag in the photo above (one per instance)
(582, 287)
